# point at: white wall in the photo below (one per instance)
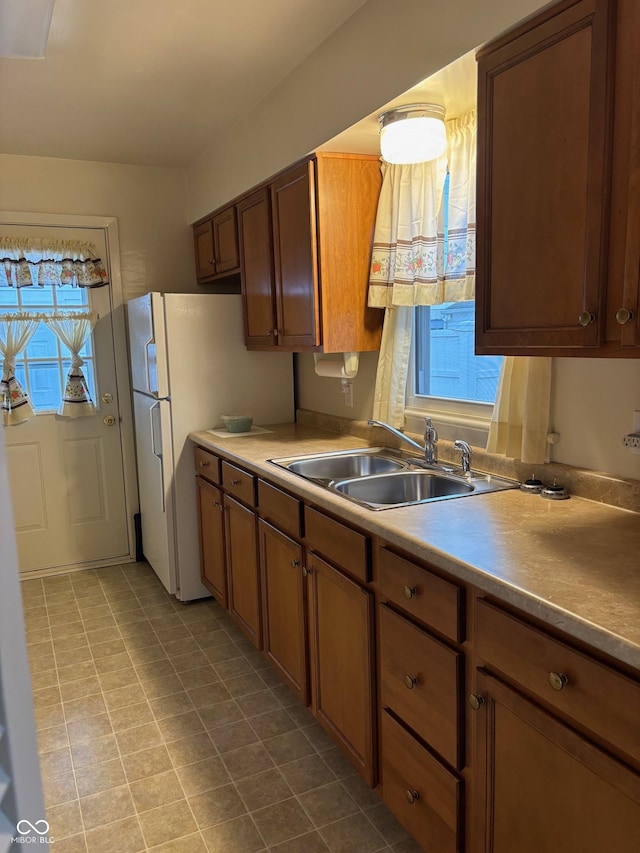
(149, 203)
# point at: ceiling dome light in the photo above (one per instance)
(413, 133)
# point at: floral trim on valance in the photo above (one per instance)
(28, 261)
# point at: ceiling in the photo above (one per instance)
(152, 81)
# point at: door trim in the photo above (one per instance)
(109, 225)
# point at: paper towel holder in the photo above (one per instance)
(347, 369)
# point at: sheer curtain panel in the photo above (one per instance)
(16, 330)
(73, 330)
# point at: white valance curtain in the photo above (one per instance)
(16, 330)
(32, 261)
(409, 264)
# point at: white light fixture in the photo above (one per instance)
(24, 28)
(413, 133)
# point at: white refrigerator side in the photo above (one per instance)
(147, 345)
(211, 374)
(155, 470)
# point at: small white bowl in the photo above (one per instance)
(238, 423)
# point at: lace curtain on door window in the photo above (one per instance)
(16, 330)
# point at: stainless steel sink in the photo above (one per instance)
(324, 468)
(402, 488)
(381, 478)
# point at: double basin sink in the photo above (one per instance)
(380, 478)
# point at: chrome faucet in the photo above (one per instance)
(466, 453)
(430, 439)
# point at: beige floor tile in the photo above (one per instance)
(38, 635)
(65, 819)
(288, 747)
(199, 677)
(209, 694)
(106, 807)
(170, 635)
(140, 737)
(121, 697)
(327, 804)
(46, 678)
(67, 629)
(221, 714)
(258, 703)
(131, 716)
(352, 833)
(80, 688)
(177, 648)
(310, 842)
(203, 776)
(59, 789)
(171, 705)
(111, 648)
(98, 623)
(72, 657)
(358, 789)
(167, 822)
(156, 688)
(72, 642)
(283, 821)
(77, 671)
(247, 761)
(306, 773)
(50, 715)
(118, 678)
(94, 751)
(147, 762)
(184, 663)
(151, 670)
(187, 844)
(124, 836)
(222, 652)
(214, 637)
(217, 807)
(100, 777)
(112, 662)
(40, 650)
(389, 828)
(233, 736)
(80, 709)
(272, 724)
(191, 749)
(157, 791)
(243, 685)
(55, 762)
(53, 738)
(80, 731)
(41, 663)
(234, 836)
(140, 628)
(98, 636)
(263, 789)
(338, 764)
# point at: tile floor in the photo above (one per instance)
(160, 728)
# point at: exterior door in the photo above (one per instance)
(66, 475)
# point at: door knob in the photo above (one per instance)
(109, 420)
(107, 397)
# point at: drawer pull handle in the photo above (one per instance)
(558, 680)
(236, 482)
(410, 681)
(204, 464)
(476, 700)
(411, 796)
(410, 591)
(295, 564)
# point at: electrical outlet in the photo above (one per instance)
(347, 390)
(632, 440)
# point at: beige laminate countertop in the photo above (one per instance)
(574, 564)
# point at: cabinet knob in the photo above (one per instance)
(279, 332)
(204, 464)
(623, 315)
(305, 572)
(270, 331)
(210, 263)
(410, 681)
(586, 318)
(411, 796)
(558, 680)
(410, 591)
(236, 482)
(476, 700)
(295, 564)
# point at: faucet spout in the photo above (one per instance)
(397, 433)
(430, 439)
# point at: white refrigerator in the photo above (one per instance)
(189, 366)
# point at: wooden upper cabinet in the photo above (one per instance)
(216, 245)
(305, 247)
(545, 122)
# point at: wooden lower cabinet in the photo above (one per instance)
(341, 651)
(540, 787)
(241, 529)
(213, 571)
(284, 608)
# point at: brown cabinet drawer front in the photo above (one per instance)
(595, 696)
(340, 544)
(425, 596)
(421, 680)
(207, 465)
(280, 509)
(420, 792)
(239, 483)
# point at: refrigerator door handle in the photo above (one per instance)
(156, 432)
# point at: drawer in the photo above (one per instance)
(592, 694)
(280, 509)
(425, 596)
(207, 465)
(421, 684)
(424, 796)
(239, 483)
(338, 543)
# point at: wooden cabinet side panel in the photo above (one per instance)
(212, 550)
(544, 131)
(541, 788)
(242, 568)
(347, 199)
(284, 608)
(204, 252)
(341, 647)
(295, 257)
(257, 279)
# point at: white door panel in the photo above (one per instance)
(66, 474)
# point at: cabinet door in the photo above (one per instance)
(295, 257)
(256, 256)
(340, 623)
(242, 568)
(212, 556)
(541, 787)
(284, 607)
(225, 241)
(544, 127)
(203, 244)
